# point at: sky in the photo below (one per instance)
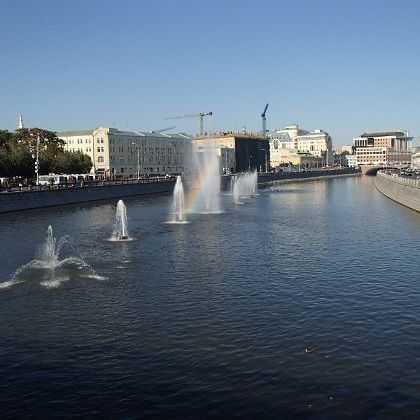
(346, 67)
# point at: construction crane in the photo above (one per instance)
(161, 130)
(200, 115)
(264, 122)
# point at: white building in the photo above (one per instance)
(415, 158)
(389, 148)
(292, 140)
(126, 153)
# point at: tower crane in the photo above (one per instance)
(264, 122)
(162, 130)
(200, 115)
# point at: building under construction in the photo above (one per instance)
(251, 151)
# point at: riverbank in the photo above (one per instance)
(402, 190)
(58, 196)
(305, 176)
(27, 200)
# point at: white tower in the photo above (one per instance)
(20, 125)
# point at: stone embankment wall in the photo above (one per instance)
(25, 200)
(285, 177)
(404, 191)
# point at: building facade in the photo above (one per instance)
(130, 153)
(288, 144)
(247, 151)
(389, 148)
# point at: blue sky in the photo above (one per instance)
(344, 66)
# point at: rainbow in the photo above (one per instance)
(200, 185)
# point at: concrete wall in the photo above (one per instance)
(284, 177)
(35, 199)
(404, 191)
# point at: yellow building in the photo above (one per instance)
(128, 153)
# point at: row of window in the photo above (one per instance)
(80, 149)
(151, 169)
(78, 141)
(129, 159)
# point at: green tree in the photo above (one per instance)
(72, 163)
(15, 158)
(18, 151)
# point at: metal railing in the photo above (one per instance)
(85, 184)
(410, 182)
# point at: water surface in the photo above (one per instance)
(213, 317)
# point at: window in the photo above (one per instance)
(100, 159)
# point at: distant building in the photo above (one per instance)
(389, 148)
(348, 148)
(415, 158)
(341, 155)
(294, 142)
(247, 150)
(124, 153)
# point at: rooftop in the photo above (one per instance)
(384, 134)
(226, 134)
(74, 133)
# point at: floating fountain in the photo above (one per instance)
(235, 190)
(244, 186)
(49, 268)
(120, 232)
(204, 194)
(178, 204)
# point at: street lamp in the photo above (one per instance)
(265, 158)
(37, 160)
(138, 160)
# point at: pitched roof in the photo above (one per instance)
(384, 134)
(74, 133)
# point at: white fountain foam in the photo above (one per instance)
(49, 267)
(204, 195)
(120, 232)
(244, 186)
(178, 204)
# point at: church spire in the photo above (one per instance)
(20, 125)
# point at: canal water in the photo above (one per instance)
(301, 302)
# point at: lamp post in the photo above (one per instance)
(37, 160)
(265, 160)
(138, 160)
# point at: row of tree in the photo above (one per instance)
(18, 154)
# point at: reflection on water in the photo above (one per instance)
(216, 316)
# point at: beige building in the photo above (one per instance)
(128, 153)
(390, 148)
(348, 148)
(293, 157)
(288, 144)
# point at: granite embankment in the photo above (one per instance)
(405, 191)
(26, 200)
(303, 176)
